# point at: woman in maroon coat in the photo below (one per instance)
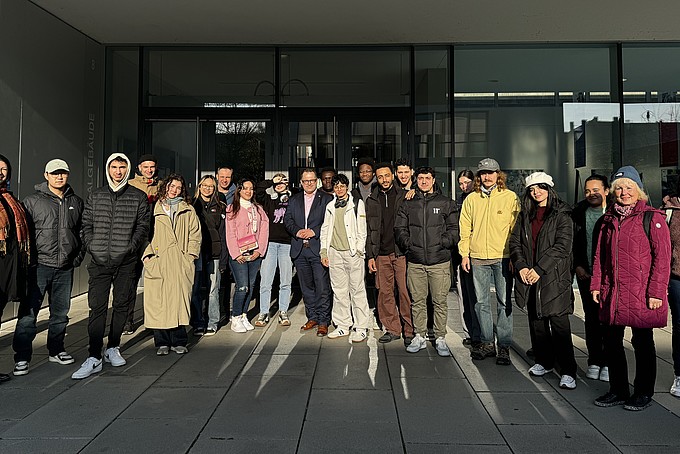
(631, 270)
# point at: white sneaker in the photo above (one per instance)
(418, 343)
(112, 355)
(567, 382)
(91, 366)
(358, 335)
(604, 374)
(246, 323)
(442, 348)
(538, 370)
(163, 350)
(62, 358)
(593, 372)
(237, 324)
(20, 368)
(675, 389)
(180, 349)
(339, 332)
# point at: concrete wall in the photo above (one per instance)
(51, 96)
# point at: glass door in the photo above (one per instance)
(175, 146)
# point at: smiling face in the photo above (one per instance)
(117, 171)
(385, 177)
(539, 192)
(57, 180)
(595, 192)
(327, 180)
(340, 190)
(626, 192)
(247, 191)
(174, 189)
(308, 182)
(425, 182)
(207, 188)
(224, 178)
(147, 169)
(4, 174)
(404, 174)
(365, 173)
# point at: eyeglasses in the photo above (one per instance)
(308, 181)
(340, 186)
(365, 172)
(207, 186)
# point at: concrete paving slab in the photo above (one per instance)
(180, 403)
(92, 405)
(44, 445)
(283, 341)
(423, 367)
(281, 365)
(343, 436)
(557, 438)
(221, 445)
(356, 405)
(19, 403)
(530, 408)
(429, 448)
(261, 408)
(352, 367)
(442, 411)
(152, 436)
(646, 449)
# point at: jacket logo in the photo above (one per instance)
(500, 212)
(71, 208)
(435, 210)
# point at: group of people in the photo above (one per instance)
(395, 226)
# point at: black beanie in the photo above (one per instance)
(147, 157)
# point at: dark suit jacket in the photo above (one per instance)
(294, 220)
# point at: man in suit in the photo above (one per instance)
(303, 220)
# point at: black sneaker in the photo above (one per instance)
(483, 350)
(467, 342)
(637, 403)
(610, 400)
(503, 358)
(199, 331)
(388, 337)
(407, 340)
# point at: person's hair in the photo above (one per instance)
(236, 203)
(224, 168)
(425, 169)
(214, 196)
(502, 182)
(118, 158)
(384, 165)
(341, 179)
(597, 177)
(366, 161)
(163, 187)
(642, 195)
(467, 173)
(327, 169)
(403, 162)
(4, 159)
(308, 170)
(530, 206)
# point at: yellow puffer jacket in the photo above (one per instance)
(486, 223)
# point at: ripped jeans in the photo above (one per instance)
(245, 275)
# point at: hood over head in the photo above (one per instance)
(117, 187)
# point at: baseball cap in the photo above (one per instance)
(56, 164)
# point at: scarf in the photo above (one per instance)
(252, 213)
(488, 191)
(623, 211)
(172, 201)
(21, 225)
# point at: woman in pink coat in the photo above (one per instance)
(247, 238)
(631, 269)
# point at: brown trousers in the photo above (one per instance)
(392, 269)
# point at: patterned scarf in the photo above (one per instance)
(21, 226)
(623, 210)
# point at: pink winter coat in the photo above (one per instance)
(629, 268)
(240, 226)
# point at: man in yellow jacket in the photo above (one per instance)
(487, 218)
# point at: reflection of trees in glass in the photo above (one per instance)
(241, 145)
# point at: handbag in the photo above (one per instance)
(247, 244)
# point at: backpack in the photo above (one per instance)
(647, 222)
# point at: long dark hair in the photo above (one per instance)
(163, 187)
(467, 173)
(236, 203)
(529, 205)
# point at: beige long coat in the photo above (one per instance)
(169, 273)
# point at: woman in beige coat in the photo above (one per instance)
(169, 266)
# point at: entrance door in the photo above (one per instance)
(340, 141)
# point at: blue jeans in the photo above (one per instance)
(674, 303)
(57, 283)
(245, 275)
(277, 253)
(208, 273)
(499, 275)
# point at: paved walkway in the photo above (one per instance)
(278, 390)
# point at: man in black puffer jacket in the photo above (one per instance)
(115, 227)
(426, 229)
(55, 217)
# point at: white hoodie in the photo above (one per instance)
(117, 187)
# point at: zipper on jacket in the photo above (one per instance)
(424, 229)
(60, 221)
(616, 275)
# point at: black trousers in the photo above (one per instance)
(645, 361)
(551, 341)
(123, 278)
(173, 337)
(139, 270)
(595, 329)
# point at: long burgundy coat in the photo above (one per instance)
(628, 268)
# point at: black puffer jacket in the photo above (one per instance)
(554, 295)
(212, 214)
(374, 222)
(426, 228)
(56, 224)
(115, 225)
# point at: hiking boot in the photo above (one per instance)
(483, 350)
(503, 358)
